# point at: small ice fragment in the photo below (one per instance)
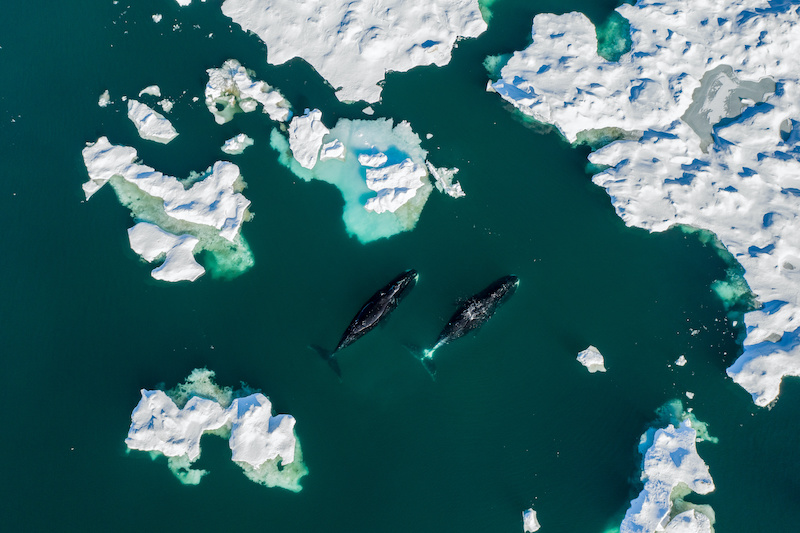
(332, 150)
(124, 98)
(680, 361)
(529, 521)
(373, 160)
(153, 90)
(104, 99)
(429, 135)
(157, 18)
(166, 105)
(151, 125)
(592, 359)
(236, 145)
(443, 178)
(689, 395)
(368, 110)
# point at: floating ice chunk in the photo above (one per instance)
(681, 361)
(373, 160)
(443, 179)
(305, 137)
(231, 89)
(332, 150)
(690, 395)
(368, 110)
(690, 521)
(172, 423)
(354, 44)
(166, 105)
(184, 3)
(104, 99)
(152, 90)
(395, 185)
(207, 206)
(592, 359)
(700, 150)
(529, 521)
(151, 242)
(150, 124)
(157, 17)
(671, 469)
(237, 145)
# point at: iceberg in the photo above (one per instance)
(702, 118)
(379, 167)
(592, 359)
(354, 44)
(152, 90)
(231, 89)
(237, 145)
(672, 469)
(529, 521)
(207, 206)
(171, 423)
(104, 99)
(150, 124)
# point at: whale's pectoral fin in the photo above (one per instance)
(427, 362)
(329, 356)
(424, 357)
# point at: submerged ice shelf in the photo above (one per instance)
(204, 212)
(706, 106)
(379, 167)
(171, 423)
(353, 44)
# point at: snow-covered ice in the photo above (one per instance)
(681, 361)
(706, 105)
(353, 44)
(592, 359)
(152, 242)
(237, 145)
(671, 469)
(529, 521)
(166, 104)
(231, 88)
(378, 166)
(104, 99)
(172, 422)
(152, 90)
(150, 124)
(208, 206)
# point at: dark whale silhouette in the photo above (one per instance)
(470, 315)
(377, 308)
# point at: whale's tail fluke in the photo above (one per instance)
(329, 356)
(425, 357)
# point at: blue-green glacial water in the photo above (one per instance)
(512, 419)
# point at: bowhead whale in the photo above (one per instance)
(470, 315)
(376, 309)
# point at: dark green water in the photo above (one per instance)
(512, 420)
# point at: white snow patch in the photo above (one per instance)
(332, 150)
(689, 68)
(353, 44)
(237, 145)
(151, 243)
(150, 124)
(592, 359)
(231, 89)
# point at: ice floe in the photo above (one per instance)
(150, 124)
(671, 470)
(104, 99)
(152, 242)
(171, 423)
(378, 166)
(707, 107)
(354, 44)
(207, 206)
(231, 89)
(592, 359)
(237, 145)
(152, 90)
(529, 521)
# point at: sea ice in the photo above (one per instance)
(150, 124)
(237, 145)
(166, 105)
(354, 44)
(379, 168)
(681, 361)
(172, 422)
(671, 469)
(152, 242)
(706, 104)
(104, 99)
(231, 89)
(152, 90)
(529, 521)
(592, 359)
(208, 206)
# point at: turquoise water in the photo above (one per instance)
(512, 420)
